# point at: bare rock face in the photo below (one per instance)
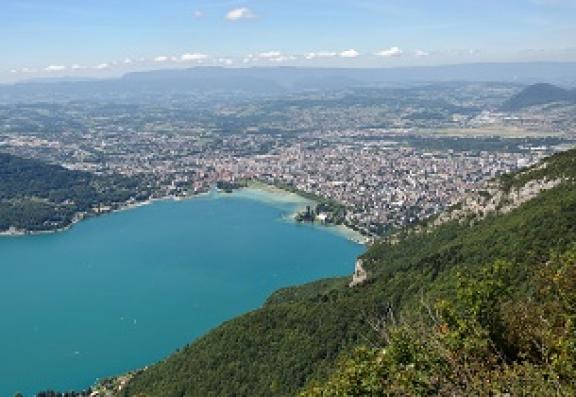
(360, 274)
(494, 200)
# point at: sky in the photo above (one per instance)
(102, 38)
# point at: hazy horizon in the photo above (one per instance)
(183, 68)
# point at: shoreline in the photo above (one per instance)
(266, 193)
(286, 196)
(270, 194)
(83, 216)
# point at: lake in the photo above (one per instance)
(124, 290)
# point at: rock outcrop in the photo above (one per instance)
(360, 274)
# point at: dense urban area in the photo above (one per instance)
(375, 159)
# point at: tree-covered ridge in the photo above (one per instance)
(500, 341)
(297, 337)
(561, 166)
(35, 196)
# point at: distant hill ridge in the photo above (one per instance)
(266, 80)
(539, 94)
(294, 77)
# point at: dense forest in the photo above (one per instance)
(35, 196)
(478, 306)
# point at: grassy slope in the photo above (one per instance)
(298, 334)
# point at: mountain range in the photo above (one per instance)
(274, 80)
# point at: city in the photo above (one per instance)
(374, 179)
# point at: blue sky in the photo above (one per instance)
(110, 37)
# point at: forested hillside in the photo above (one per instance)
(539, 94)
(475, 306)
(35, 196)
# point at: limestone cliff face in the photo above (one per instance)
(499, 196)
(495, 200)
(360, 274)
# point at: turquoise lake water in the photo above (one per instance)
(124, 290)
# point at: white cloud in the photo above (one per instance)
(269, 55)
(284, 58)
(240, 13)
(390, 52)
(127, 61)
(321, 54)
(193, 57)
(198, 14)
(102, 66)
(76, 67)
(161, 58)
(225, 61)
(349, 54)
(421, 53)
(55, 68)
